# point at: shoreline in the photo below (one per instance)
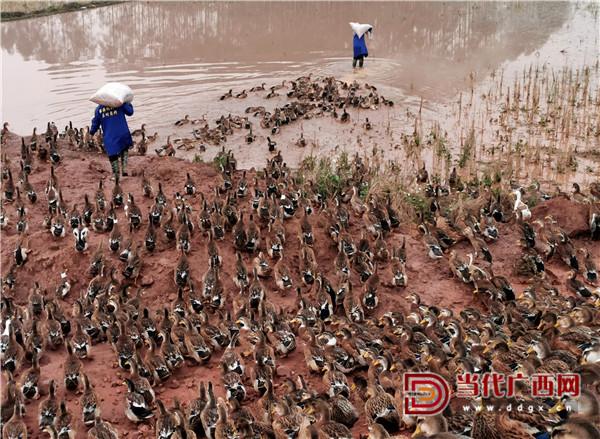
(54, 8)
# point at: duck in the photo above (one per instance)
(72, 365)
(21, 251)
(190, 186)
(15, 428)
(137, 408)
(89, 403)
(576, 286)
(591, 272)
(325, 426)
(301, 142)
(74, 217)
(63, 422)
(139, 131)
(262, 267)
(134, 214)
(283, 277)
(576, 429)
(182, 271)
(12, 351)
(380, 408)
(209, 415)
(102, 430)
(434, 249)
(147, 189)
(250, 137)
(195, 409)
(182, 122)
(48, 407)
(30, 380)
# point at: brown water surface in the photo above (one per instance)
(179, 57)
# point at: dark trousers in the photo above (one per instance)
(360, 59)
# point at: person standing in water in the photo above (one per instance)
(115, 134)
(359, 44)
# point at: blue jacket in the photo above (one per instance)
(115, 130)
(360, 47)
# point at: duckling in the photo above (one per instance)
(48, 407)
(30, 380)
(137, 409)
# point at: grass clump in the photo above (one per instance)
(219, 161)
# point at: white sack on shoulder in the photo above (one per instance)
(112, 94)
(360, 29)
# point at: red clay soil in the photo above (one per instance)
(79, 174)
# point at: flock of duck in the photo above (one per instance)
(306, 98)
(259, 233)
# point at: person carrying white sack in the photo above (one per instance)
(359, 44)
(115, 104)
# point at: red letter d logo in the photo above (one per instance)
(425, 393)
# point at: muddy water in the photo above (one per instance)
(179, 57)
